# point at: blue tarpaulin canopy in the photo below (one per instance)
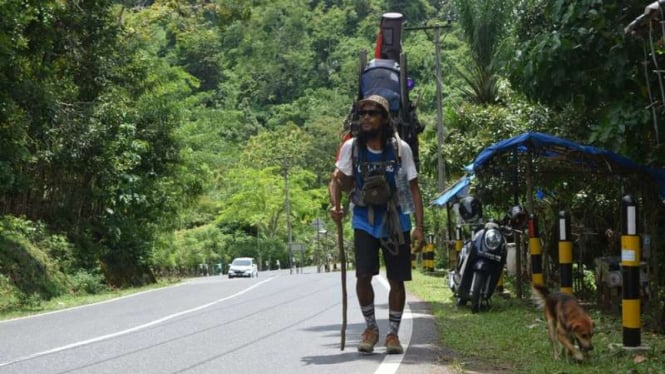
(457, 190)
(584, 157)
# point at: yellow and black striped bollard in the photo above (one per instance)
(425, 258)
(565, 253)
(458, 244)
(630, 267)
(536, 251)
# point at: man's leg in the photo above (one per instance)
(365, 293)
(367, 264)
(398, 268)
(396, 301)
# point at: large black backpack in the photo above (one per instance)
(386, 75)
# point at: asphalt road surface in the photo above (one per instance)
(281, 322)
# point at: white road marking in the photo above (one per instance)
(133, 329)
(391, 363)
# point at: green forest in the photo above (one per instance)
(140, 139)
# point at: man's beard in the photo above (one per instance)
(365, 135)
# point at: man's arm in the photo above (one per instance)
(339, 182)
(412, 174)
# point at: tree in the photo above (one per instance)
(574, 57)
(484, 24)
(272, 53)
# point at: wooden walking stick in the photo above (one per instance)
(342, 257)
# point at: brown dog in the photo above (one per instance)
(566, 321)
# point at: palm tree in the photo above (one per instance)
(484, 24)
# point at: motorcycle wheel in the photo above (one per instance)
(477, 283)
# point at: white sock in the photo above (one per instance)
(368, 313)
(394, 318)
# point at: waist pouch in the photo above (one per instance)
(375, 191)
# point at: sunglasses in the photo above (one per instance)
(371, 113)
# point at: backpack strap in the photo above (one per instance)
(360, 162)
(396, 147)
(394, 229)
(364, 165)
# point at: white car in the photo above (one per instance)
(243, 267)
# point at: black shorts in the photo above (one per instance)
(398, 267)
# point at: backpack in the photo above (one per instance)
(386, 75)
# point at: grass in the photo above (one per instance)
(70, 301)
(512, 337)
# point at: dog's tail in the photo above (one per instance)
(539, 294)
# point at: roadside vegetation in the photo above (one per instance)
(66, 301)
(512, 336)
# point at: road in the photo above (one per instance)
(276, 322)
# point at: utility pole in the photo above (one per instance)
(441, 179)
(287, 204)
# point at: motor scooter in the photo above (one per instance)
(482, 258)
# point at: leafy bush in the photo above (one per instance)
(25, 265)
(9, 295)
(587, 283)
(12, 298)
(60, 250)
(84, 282)
(29, 301)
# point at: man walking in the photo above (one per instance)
(367, 167)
